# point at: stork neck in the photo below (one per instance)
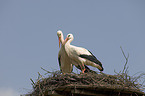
(62, 39)
(69, 41)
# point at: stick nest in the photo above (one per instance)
(56, 80)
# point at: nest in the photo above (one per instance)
(92, 80)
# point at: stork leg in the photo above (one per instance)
(83, 68)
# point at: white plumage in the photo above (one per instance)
(64, 61)
(81, 56)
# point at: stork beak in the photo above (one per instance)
(59, 41)
(66, 39)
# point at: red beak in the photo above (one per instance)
(66, 39)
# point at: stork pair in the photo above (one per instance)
(70, 55)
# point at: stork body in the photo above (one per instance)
(63, 59)
(65, 63)
(81, 55)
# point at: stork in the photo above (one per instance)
(80, 55)
(63, 59)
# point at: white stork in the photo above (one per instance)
(81, 55)
(64, 61)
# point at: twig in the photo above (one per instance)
(32, 82)
(46, 71)
(126, 58)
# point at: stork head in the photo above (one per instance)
(69, 37)
(59, 34)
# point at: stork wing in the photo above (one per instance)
(91, 58)
(59, 61)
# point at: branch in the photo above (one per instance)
(126, 58)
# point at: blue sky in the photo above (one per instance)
(28, 37)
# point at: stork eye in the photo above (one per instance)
(68, 35)
(59, 34)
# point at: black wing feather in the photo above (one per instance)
(59, 62)
(91, 58)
